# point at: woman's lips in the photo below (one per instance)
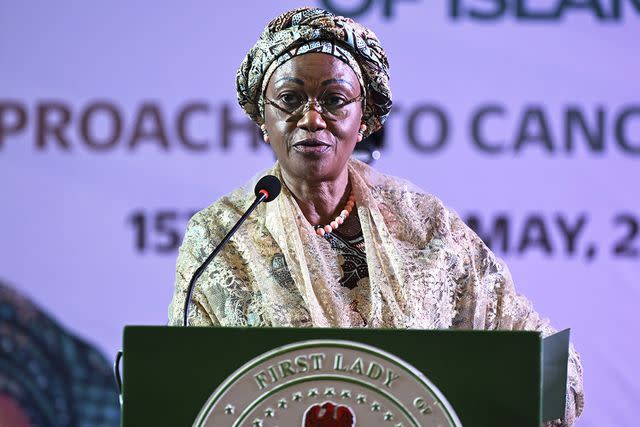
(311, 146)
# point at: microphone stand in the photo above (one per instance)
(263, 195)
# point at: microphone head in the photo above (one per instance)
(268, 185)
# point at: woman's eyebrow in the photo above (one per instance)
(339, 81)
(290, 79)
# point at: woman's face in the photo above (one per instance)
(313, 145)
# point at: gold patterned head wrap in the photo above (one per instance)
(307, 30)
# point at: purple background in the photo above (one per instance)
(66, 238)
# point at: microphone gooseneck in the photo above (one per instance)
(267, 189)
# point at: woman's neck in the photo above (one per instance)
(320, 202)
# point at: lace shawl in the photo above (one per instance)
(427, 269)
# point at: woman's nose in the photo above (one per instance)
(312, 120)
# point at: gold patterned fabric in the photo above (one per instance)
(427, 269)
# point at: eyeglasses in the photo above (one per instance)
(331, 107)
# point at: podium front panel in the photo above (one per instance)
(489, 378)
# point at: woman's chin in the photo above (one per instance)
(312, 169)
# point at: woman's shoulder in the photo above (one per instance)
(393, 187)
(219, 217)
(416, 208)
(230, 207)
(400, 194)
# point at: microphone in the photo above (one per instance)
(268, 185)
(267, 189)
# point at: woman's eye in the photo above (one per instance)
(290, 99)
(334, 101)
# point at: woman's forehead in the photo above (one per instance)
(313, 69)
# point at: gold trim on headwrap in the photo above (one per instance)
(292, 34)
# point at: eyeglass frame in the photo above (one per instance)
(307, 105)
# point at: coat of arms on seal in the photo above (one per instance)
(327, 383)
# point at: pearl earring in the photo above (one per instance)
(361, 131)
(265, 135)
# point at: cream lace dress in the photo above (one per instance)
(427, 269)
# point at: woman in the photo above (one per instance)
(343, 245)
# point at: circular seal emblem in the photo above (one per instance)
(327, 383)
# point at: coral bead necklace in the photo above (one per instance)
(321, 230)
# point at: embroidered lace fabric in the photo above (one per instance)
(426, 269)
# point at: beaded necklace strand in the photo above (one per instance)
(321, 230)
